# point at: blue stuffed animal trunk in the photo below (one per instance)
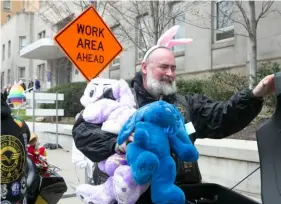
(158, 128)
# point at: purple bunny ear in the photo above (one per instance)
(172, 43)
(168, 35)
(116, 89)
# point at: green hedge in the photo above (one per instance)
(72, 94)
(219, 86)
(222, 85)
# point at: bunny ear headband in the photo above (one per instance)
(167, 41)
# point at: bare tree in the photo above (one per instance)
(142, 22)
(62, 12)
(244, 13)
(250, 23)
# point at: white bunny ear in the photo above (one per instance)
(172, 43)
(168, 35)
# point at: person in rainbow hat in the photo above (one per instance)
(15, 135)
(16, 95)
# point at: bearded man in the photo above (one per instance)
(211, 119)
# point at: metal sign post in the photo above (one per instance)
(40, 97)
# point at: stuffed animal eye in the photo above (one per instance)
(105, 89)
(92, 93)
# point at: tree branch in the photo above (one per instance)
(244, 14)
(266, 5)
(124, 30)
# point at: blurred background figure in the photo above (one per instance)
(30, 85)
(22, 84)
(37, 85)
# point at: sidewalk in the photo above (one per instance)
(62, 159)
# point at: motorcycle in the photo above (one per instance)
(44, 187)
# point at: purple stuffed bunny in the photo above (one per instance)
(112, 114)
(119, 187)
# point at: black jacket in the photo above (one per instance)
(14, 137)
(211, 119)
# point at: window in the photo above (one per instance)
(116, 61)
(41, 72)
(3, 52)
(61, 24)
(142, 22)
(9, 76)
(7, 5)
(178, 19)
(9, 49)
(114, 74)
(42, 34)
(224, 24)
(21, 72)
(2, 79)
(22, 42)
(116, 30)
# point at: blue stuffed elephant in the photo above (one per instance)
(158, 128)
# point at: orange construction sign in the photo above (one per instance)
(89, 43)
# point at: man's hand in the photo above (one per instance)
(265, 87)
(122, 148)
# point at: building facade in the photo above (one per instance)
(216, 46)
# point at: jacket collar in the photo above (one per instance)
(143, 96)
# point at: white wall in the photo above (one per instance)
(228, 161)
(18, 25)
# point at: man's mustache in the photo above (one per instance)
(167, 79)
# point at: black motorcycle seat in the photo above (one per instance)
(31, 172)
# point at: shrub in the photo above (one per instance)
(72, 94)
(222, 85)
(190, 86)
(265, 69)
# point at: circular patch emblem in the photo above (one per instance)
(12, 158)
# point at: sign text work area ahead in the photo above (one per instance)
(89, 43)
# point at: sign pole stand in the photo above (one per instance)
(57, 121)
(33, 107)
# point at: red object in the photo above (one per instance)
(38, 156)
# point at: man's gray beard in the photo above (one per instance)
(157, 88)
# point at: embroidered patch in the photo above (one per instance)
(23, 185)
(181, 109)
(4, 191)
(17, 121)
(12, 158)
(25, 139)
(15, 188)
